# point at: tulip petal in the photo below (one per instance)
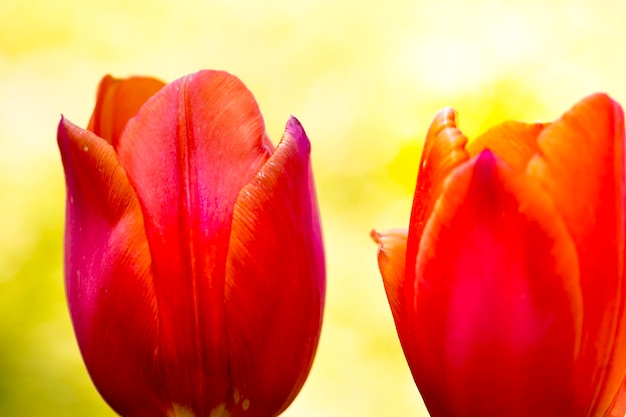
(444, 150)
(497, 304)
(618, 407)
(107, 258)
(581, 164)
(275, 280)
(392, 265)
(188, 152)
(514, 142)
(118, 100)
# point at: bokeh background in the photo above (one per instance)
(364, 78)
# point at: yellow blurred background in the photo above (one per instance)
(364, 78)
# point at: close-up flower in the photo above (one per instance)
(194, 264)
(507, 290)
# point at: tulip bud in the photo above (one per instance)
(194, 265)
(508, 288)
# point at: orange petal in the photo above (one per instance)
(392, 265)
(618, 407)
(108, 274)
(275, 280)
(514, 142)
(117, 101)
(497, 304)
(581, 165)
(444, 150)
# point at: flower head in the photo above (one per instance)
(194, 265)
(508, 288)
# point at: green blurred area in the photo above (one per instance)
(365, 81)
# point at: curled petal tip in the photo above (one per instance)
(294, 123)
(375, 236)
(445, 118)
(388, 235)
(294, 128)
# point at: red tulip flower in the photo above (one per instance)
(508, 289)
(194, 265)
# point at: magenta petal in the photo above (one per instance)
(497, 302)
(275, 280)
(107, 274)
